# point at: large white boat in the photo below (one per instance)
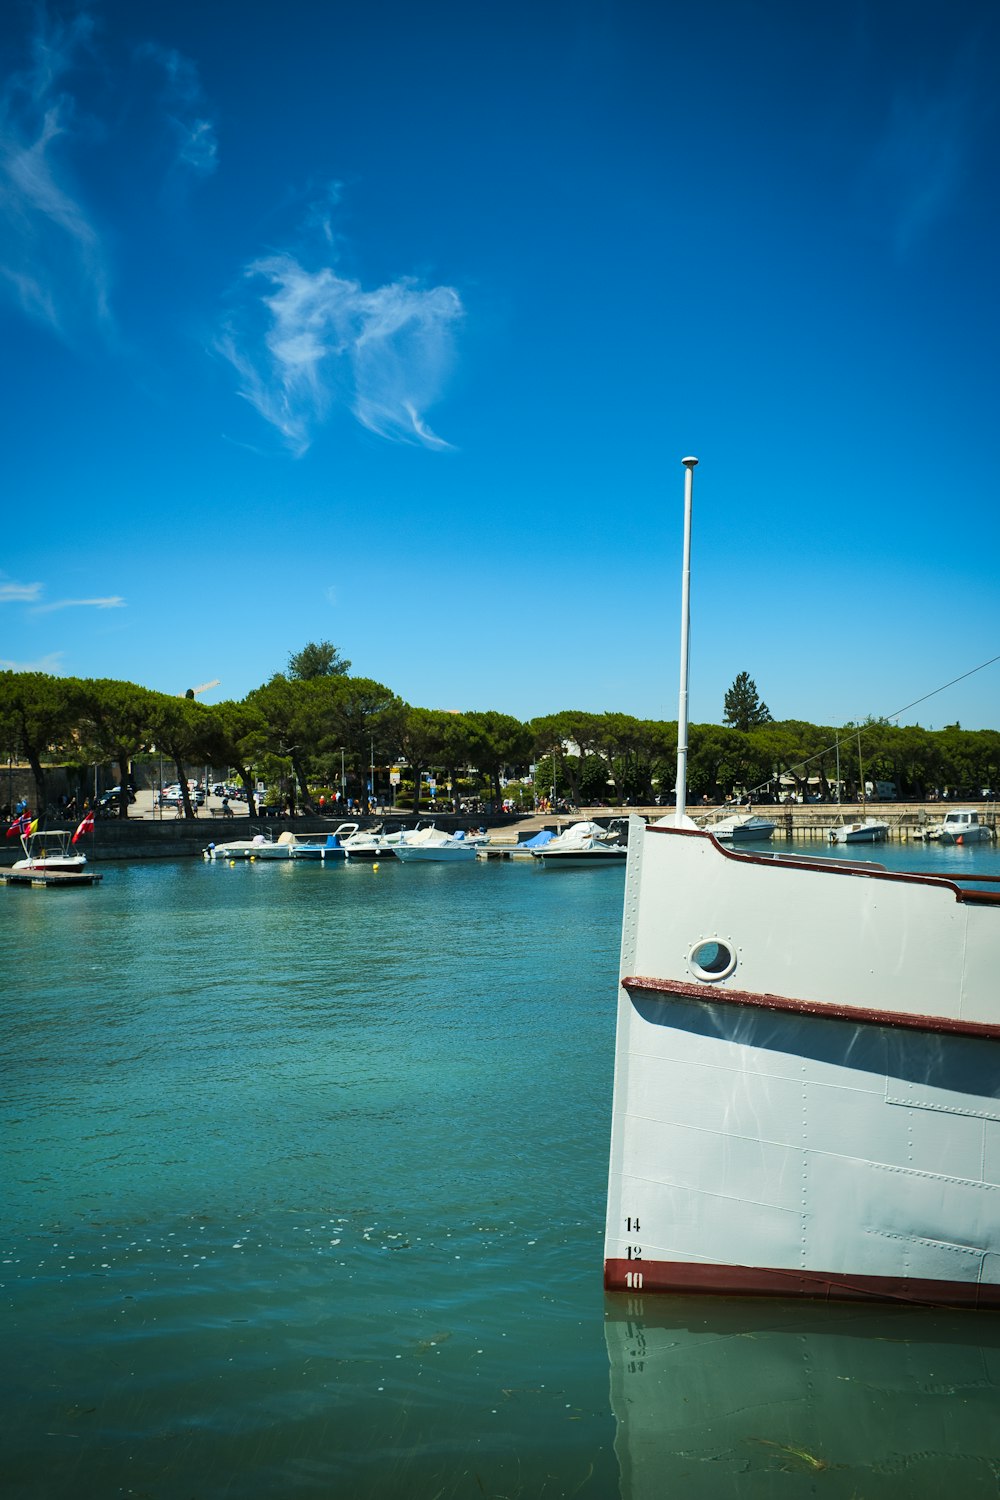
(866, 831)
(961, 826)
(583, 843)
(807, 1073)
(742, 828)
(49, 851)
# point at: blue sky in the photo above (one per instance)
(390, 325)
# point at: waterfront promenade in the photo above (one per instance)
(146, 834)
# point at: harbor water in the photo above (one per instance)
(305, 1171)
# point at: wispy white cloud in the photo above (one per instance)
(52, 664)
(31, 594)
(19, 593)
(54, 262)
(186, 111)
(52, 259)
(312, 339)
(113, 601)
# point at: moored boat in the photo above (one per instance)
(743, 828)
(807, 1054)
(368, 844)
(583, 843)
(866, 831)
(322, 847)
(961, 826)
(257, 846)
(527, 847)
(433, 844)
(50, 850)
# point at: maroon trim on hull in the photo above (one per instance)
(858, 1014)
(838, 867)
(767, 1281)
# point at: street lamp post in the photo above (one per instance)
(343, 780)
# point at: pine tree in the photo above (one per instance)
(317, 659)
(743, 708)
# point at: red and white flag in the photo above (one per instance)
(19, 825)
(86, 826)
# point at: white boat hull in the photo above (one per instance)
(795, 1116)
(436, 853)
(869, 832)
(737, 830)
(247, 849)
(601, 854)
(369, 851)
(56, 864)
(977, 834)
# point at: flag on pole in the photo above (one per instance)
(86, 826)
(19, 825)
(30, 825)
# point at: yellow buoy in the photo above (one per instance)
(375, 865)
(232, 864)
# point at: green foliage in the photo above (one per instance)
(300, 728)
(317, 659)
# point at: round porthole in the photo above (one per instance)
(712, 959)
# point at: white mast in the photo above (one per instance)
(680, 816)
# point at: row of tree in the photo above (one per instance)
(307, 727)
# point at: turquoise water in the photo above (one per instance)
(305, 1175)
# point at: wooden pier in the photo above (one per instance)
(59, 880)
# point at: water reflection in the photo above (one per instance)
(723, 1398)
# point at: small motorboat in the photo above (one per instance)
(433, 844)
(368, 844)
(868, 831)
(583, 843)
(323, 847)
(258, 846)
(49, 851)
(961, 827)
(741, 828)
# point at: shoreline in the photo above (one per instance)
(145, 835)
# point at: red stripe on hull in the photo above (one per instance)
(765, 1281)
(822, 1009)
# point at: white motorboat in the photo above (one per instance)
(741, 828)
(806, 1063)
(867, 831)
(320, 846)
(257, 846)
(368, 844)
(583, 843)
(49, 851)
(961, 826)
(399, 835)
(433, 844)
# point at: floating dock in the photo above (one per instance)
(57, 879)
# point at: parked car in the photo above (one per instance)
(106, 799)
(172, 796)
